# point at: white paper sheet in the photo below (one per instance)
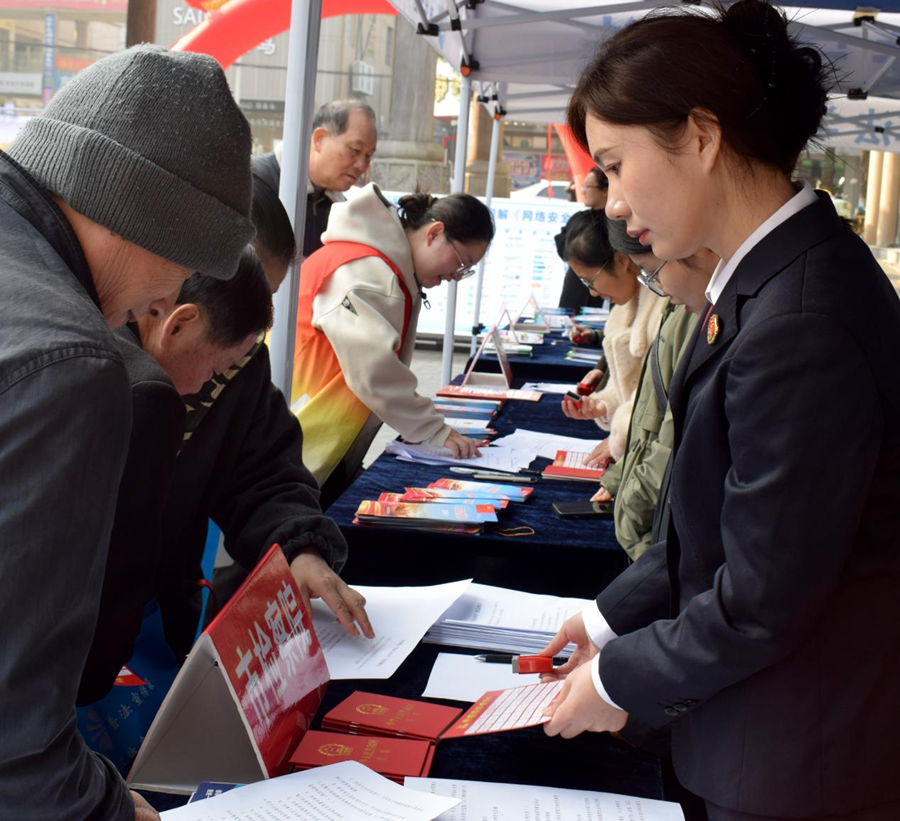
(505, 459)
(461, 678)
(519, 802)
(399, 615)
(544, 444)
(332, 793)
(548, 387)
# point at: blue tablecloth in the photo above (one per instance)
(547, 363)
(571, 557)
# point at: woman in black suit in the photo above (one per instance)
(764, 630)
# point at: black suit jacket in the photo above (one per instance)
(765, 629)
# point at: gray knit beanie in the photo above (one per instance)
(619, 239)
(150, 144)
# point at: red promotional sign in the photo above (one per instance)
(246, 694)
(273, 659)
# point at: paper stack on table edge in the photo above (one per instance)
(494, 618)
(506, 459)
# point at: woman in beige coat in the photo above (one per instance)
(592, 253)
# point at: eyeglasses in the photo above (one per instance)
(464, 271)
(650, 280)
(589, 283)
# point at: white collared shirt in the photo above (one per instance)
(724, 270)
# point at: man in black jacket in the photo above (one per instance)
(103, 208)
(344, 136)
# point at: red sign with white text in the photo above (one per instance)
(274, 662)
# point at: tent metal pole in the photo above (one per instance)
(459, 181)
(488, 196)
(303, 54)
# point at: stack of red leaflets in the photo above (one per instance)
(459, 489)
(450, 514)
(570, 465)
(387, 716)
(427, 495)
(394, 758)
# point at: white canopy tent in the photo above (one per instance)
(524, 58)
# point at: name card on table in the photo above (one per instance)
(246, 694)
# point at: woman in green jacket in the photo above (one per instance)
(635, 480)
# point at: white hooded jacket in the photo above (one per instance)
(361, 308)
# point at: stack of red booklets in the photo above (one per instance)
(394, 758)
(370, 714)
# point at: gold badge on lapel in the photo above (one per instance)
(712, 329)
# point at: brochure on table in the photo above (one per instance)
(245, 695)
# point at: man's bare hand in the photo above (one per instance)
(317, 580)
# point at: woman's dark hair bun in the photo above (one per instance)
(464, 217)
(767, 92)
(787, 71)
(414, 207)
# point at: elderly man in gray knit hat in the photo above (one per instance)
(137, 174)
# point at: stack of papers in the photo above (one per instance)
(520, 802)
(505, 459)
(506, 621)
(544, 444)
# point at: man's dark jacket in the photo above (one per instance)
(135, 544)
(65, 416)
(243, 468)
(765, 629)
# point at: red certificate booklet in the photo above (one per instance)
(394, 758)
(369, 714)
(570, 465)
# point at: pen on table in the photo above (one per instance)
(498, 471)
(523, 664)
(504, 477)
(506, 658)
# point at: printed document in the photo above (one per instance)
(332, 793)
(519, 802)
(399, 615)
